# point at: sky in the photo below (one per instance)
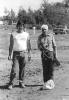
(15, 4)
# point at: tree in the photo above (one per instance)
(31, 18)
(9, 16)
(38, 17)
(12, 15)
(56, 13)
(66, 2)
(6, 11)
(22, 16)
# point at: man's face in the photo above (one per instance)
(19, 29)
(44, 31)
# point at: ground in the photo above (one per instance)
(33, 71)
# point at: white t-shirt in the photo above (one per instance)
(20, 41)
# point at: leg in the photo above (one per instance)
(49, 83)
(47, 68)
(14, 69)
(22, 63)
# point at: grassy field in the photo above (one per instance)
(33, 71)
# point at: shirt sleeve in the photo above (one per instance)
(9, 33)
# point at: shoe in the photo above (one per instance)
(10, 87)
(49, 84)
(21, 85)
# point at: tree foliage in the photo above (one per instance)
(57, 13)
(9, 16)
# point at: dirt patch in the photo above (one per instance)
(33, 72)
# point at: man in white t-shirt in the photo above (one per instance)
(19, 45)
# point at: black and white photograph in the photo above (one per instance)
(34, 49)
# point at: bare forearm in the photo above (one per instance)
(29, 46)
(55, 50)
(11, 45)
(10, 50)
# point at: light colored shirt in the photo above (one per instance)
(20, 41)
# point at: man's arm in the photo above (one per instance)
(10, 47)
(40, 45)
(29, 48)
(54, 47)
(56, 61)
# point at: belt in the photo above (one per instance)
(19, 51)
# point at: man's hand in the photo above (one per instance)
(29, 58)
(55, 55)
(9, 57)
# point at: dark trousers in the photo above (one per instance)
(47, 64)
(18, 60)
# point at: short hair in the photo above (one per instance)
(19, 24)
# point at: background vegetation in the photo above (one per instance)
(53, 14)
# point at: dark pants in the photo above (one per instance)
(47, 64)
(18, 60)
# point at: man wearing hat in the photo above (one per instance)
(46, 44)
(19, 45)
